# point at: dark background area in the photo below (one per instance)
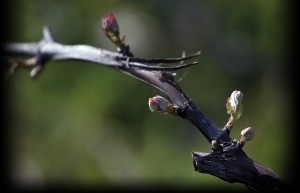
(89, 126)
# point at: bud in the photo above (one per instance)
(215, 144)
(234, 104)
(110, 24)
(160, 104)
(247, 135)
(111, 29)
(36, 71)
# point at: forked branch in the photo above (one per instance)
(227, 160)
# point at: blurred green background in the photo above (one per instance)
(89, 125)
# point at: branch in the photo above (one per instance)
(233, 165)
(227, 162)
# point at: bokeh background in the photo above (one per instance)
(88, 125)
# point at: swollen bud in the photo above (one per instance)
(246, 135)
(111, 29)
(160, 104)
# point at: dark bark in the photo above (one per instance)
(229, 163)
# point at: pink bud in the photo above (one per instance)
(110, 24)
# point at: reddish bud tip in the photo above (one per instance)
(110, 24)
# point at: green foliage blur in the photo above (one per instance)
(89, 125)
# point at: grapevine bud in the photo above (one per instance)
(111, 29)
(247, 135)
(160, 104)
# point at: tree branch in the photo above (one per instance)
(228, 161)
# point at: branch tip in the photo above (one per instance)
(35, 72)
(47, 35)
(159, 61)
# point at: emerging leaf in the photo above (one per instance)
(234, 104)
